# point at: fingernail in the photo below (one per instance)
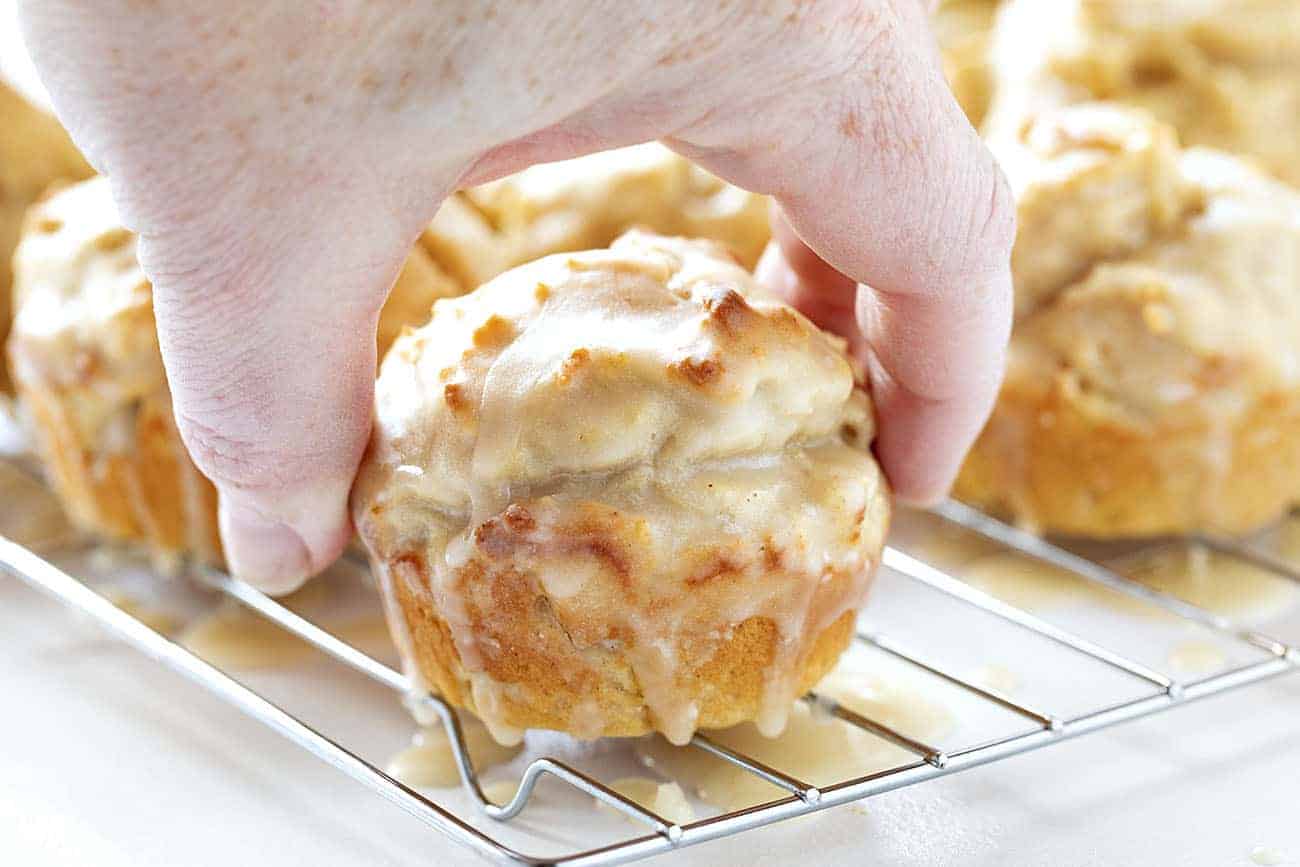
(266, 553)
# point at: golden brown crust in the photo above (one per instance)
(149, 493)
(1047, 460)
(1154, 373)
(641, 500)
(85, 359)
(554, 682)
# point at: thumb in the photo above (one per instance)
(266, 320)
(271, 225)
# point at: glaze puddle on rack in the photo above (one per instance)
(945, 676)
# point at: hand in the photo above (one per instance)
(278, 160)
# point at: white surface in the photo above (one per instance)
(107, 759)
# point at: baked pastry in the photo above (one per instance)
(962, 28)
(618, 491)
(1153, 384)
(85, 360)
(586, 203)
(93, 380)
(421, 282)
(1224, 73)
(35, 152)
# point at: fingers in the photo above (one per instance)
(271, 228)
(271, 357)
(268, 272)
(888, 183)
(276, 189)
(804, 280)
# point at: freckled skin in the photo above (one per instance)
(279, 160)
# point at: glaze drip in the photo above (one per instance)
(611, 492)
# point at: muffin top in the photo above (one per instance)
(84, 320)
(1224, 73)
(1092, 183)
(35, 153)
(1152, 281)
(657, 352)
(643, 434)
(587, 202)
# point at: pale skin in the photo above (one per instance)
(279, 159)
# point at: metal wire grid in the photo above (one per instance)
(1043, 727)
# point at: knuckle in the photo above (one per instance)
(233, 461)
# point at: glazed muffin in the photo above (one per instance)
(1224, 73)
(619, 491)
(962, 28)
(1153, 385)
(586, 203)
(85, 359)
(35, 152)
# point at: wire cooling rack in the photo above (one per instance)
(1037, 727)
